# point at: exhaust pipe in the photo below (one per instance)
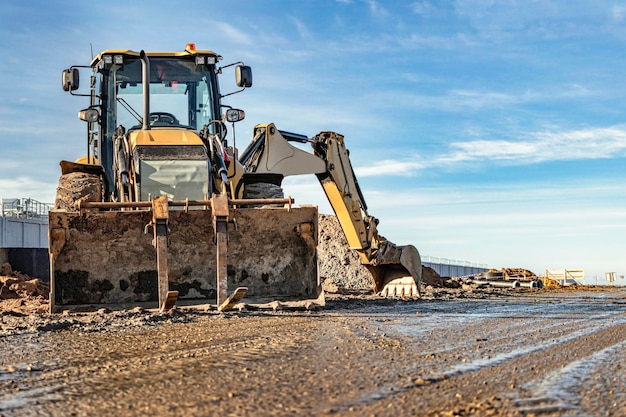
(145, 80)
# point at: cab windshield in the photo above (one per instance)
(181, 93)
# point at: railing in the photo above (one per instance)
(453, 267)
(567, 276)
(456, 262)
(24, 208)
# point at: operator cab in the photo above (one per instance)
(182, 89)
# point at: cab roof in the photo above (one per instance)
(190, 50)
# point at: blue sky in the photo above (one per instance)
(484, 131)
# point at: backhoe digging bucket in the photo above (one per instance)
(397, 271)
(105, 257)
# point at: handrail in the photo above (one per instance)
(23, 208)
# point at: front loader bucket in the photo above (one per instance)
(102, 257)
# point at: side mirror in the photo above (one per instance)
(243, 76)
(234, 115)
(69, 79)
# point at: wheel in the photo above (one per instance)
(263, 190)
(76, 187)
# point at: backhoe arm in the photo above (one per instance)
(396, 270)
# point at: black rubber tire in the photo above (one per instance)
(264, 190)
(77, 187)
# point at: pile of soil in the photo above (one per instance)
(339, 267)
(21, 294)
(341, 270)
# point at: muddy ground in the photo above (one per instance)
(504, 354)
(460, 350)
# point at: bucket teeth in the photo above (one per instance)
(233, 299)
(170, 301)
(404, 287)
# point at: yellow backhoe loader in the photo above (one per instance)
(161, 208)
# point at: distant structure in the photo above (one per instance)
(24, 235)
(611, 277)
(24, 208)
(453, 267)
(567, 276)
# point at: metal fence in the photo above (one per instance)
(24, 208)
(453, 267)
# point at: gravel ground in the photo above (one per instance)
(496, 352)
(460, 350)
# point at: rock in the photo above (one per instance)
(329, 286)
(6, 293)
(431, 277)
(8, 281)
(75, 188)
(27, 288)
(6, 270)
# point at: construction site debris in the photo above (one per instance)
(508, 278)
(20, 293)
(519, 274)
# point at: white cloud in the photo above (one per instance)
(423, 8)
(233, 33)
(461, 100)
(390, 167)
(28, 187)
(481, 99)
(618, 13)
(376, 9)
(494, 149)
(592, 143)
(302, 29)
(431, 41)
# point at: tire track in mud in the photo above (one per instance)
(139, 361)
(562, 390)
(513, 360)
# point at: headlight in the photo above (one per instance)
(89, 115)
(234, 115)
